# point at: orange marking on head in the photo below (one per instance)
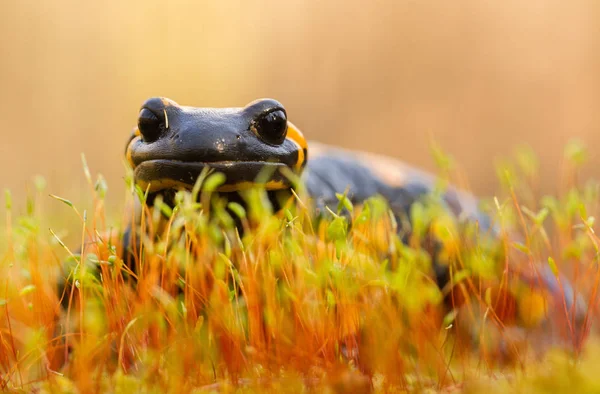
(294, 134)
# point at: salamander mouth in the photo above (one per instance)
(161, 174)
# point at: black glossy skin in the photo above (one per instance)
(189, 139)
(337, 170)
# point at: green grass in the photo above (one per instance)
(299, 304)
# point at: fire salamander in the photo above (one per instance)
(173, 144)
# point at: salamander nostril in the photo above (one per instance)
(150, 125)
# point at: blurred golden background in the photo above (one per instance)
(479, 76)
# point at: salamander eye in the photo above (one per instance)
(150, 125)
(271, 127)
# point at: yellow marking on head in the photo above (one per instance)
(137, 135)
(163, 184)
(294, 134)
(270, 185)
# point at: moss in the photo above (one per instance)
(295, 303)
